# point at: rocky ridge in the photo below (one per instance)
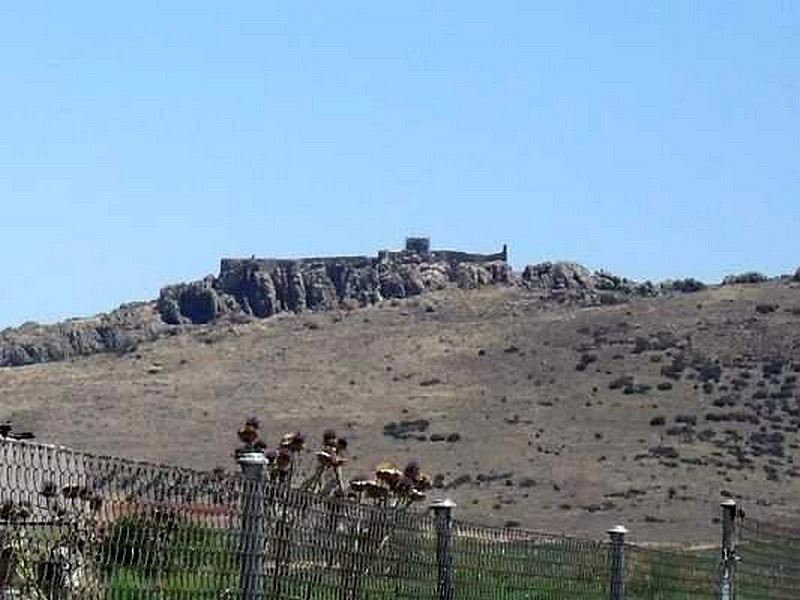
(263, 288)
(260, 288)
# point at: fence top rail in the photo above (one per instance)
(33, 447)
(515, 534)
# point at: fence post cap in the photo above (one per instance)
(443, 504)
(252, 457)
(728, 503)
(618, 530)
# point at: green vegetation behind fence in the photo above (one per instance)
(78, 526)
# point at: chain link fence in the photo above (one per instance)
(75, 526)
(767, 561)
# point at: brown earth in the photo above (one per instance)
(550, 433)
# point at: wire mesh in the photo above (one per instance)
(324, 548)
(511, 564)
(656, 574)
(769, 561)
(76, 526)
(80, 526)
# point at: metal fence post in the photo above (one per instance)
(443, 512)
(252, 541)
(727, 548)
(616, 587)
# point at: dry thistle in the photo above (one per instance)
(248, 434)
(294, 441)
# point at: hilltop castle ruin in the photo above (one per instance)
(262, 287)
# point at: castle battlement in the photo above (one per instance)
(416, 248)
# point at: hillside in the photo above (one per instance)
(550, 412)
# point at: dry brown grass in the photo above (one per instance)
(550, 444)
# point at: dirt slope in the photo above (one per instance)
(563, 415)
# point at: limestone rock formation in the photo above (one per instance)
(119, 331)
(265, 287)
(748, 277)
(688, 285)
(557, 276)
(569, 280)
(261, 288)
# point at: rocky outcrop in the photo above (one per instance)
(571, 281)
(262, 288)
(119, 331)
(257, 288)
(688, 285)
(796, 276)
(748, 277)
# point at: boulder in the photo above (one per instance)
(470, 276)
(320, 291)
(557, 276)
(118, 331)
(688, 285)
(747, 277)
(196, 303)
(259, 292)
(412, 279)
(391, 284)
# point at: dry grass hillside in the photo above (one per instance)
(527, 411)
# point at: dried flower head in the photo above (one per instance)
(329, 437)
(423, 482)
(359, 485)
(412, 469)
(388, 474)
(376, 491)
(249, 431)
(402, 486)
(294, 441)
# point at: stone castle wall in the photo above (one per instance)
(262, 287)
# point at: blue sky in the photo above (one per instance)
(140, 143)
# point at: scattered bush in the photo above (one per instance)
(675, 369)
(664, 452)
(404, 429)
(637, 388)
(688, 419)
(620, 382)
(765, 309)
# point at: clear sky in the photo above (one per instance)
(142, 141)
